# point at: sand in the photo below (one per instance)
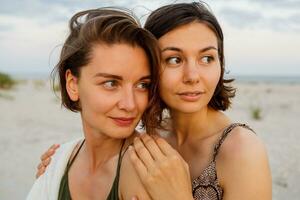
(31, 119)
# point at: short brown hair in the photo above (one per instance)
(169, 17)
(106, 26)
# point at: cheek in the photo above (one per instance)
(218, 75)
(93, 101)
(169, 79)
(142, 101)
(214, 78)
(164, 88)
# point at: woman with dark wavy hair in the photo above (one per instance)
(226, 160)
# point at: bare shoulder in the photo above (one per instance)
(243, 167)
(242, 143)
(130, 184)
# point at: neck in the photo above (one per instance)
(99, 149)
(198, 125)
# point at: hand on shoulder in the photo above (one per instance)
(155, 170)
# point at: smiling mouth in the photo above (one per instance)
(122, 121)
(190, 96)
(192, 93)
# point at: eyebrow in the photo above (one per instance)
(106, 75)
(171, 49)
(146, 77)
(179, 50)
(208, 48)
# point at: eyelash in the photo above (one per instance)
(167, 60)
(107, 86)
(210, 59)
(145, 85)
(114, 84)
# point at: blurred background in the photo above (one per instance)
(262, 40)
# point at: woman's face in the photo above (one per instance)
(191, 67)
(112, 89)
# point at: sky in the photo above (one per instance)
(262, 37)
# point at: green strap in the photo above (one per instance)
(64, 190)
(114, 192)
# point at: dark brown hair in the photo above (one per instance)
(106, 26)
(169, 17)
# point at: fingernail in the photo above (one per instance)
(130, 148)
(133, 198)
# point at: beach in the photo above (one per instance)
(32, 119)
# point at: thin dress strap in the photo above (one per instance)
(224, 135)
(114, 192)
(120, 157)
(64, 191)
(75, 155)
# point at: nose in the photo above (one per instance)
(191, 73)
(127, 101)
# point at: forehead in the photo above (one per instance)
(194, 33)
(118, 59)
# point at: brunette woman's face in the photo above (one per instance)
(112, 89)
(191, 67)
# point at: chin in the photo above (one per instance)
(122, 132)
(188, 109)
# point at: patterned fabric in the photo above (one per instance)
(206, 186)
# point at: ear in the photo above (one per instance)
(72, 85)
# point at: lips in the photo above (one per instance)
(123, 121)
(190, 96)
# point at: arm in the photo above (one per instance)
(160, 168)
(45, 160)
(47, 185)
(243, 168)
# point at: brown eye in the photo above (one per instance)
(173, 61)
(207, 59)
(143, 86)
(110, 84)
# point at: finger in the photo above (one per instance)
(40, 172)
(168, 150)
(46, 162)
(143, 153)
(165, 147)
(152, 147)
(50, 151)
(137, 163)
(47, 154)
(134, 198)
(54, 146)
(40, 165)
